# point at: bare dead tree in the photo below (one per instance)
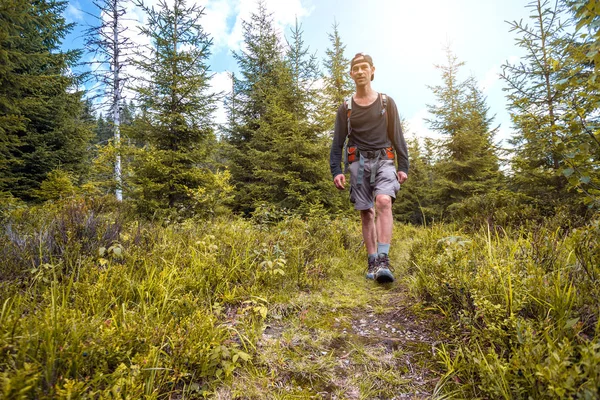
(111, 46)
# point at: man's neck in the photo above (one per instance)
(365, 93)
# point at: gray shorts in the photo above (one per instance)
(386, 182)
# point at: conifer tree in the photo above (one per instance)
(416, 203)
(174, 124)
(468, 164)
(278, 156)
(581, 79)
(337, 83)
(260, 63)
(42, 123)
(536, 103)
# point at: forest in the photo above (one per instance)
(150, 252)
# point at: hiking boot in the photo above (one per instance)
(383, 274)
(371, 268)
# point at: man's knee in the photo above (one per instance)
(383, 202)
(367, 215)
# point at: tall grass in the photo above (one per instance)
(523, 307)
(97, 306)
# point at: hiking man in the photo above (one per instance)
(370, 123)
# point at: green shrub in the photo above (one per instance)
(99, 306)
(524, 309)
(495, 209)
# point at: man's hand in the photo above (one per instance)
(402, 177)
(339, 181)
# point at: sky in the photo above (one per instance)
(406, 38)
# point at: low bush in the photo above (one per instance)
(96, 306)
(524, 309)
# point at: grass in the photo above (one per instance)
(524, 310)
(93, 305)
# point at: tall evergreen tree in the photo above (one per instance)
(42, 120)
(337, 83)
(537, 103)
(175, 123)
(468, 164)
(278, 156)
(417, 202)
(261, 64)
(581, 142)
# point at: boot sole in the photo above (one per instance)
(384, 277)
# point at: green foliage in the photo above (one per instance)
(97, 306)
(417, 202)
(587, 14)
(337, 83)
(42, 121)
(278, 154)
(8, 205)
(174, 130)
(523, 306)
(212, 198)
(581, 145)
(539, 103)
(467, 164)
(502, 209)
(57, 185)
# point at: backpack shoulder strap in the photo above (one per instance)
(348, 105)
(384, 102)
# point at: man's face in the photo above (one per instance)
(361, 73)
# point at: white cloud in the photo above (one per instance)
(490, 79)
(284, 15)
(220, 83)
(418, 127)
(214, 20)
(74, 12)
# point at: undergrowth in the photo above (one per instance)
(524, 305)
(96, 305)
(93, 305)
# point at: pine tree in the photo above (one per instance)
(581, 80)
(537, 103)
(416, 203)
(174, 124)
(42, 123)
(278, 156)
(468, 164)
(337, 83)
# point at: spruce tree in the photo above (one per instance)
(278, 156)
(337, 83)
(259, 62)
(581, 79)
(42, 116)
(416, 203)
(468, 163)
(536, 104)
(174, 124)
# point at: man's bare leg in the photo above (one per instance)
(384, 226)
(369, 231)
(385, 220)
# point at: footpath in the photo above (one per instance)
(353, 339)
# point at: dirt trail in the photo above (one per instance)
(352, 340)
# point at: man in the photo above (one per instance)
(370, 122)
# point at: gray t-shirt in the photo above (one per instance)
(368, 124)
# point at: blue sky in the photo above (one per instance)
(405, 38)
